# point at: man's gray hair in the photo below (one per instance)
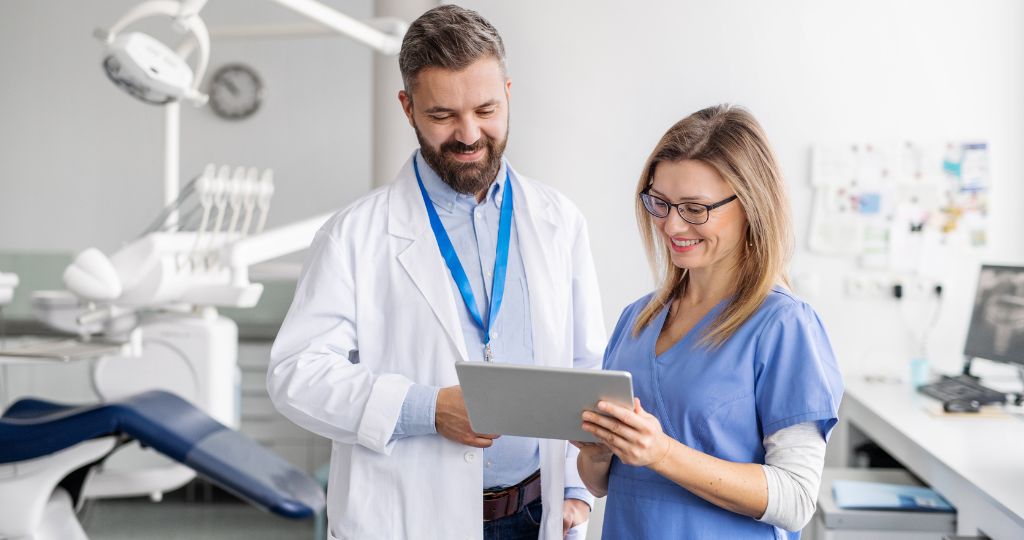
(449, 37)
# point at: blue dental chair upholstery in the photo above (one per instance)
(33, 428)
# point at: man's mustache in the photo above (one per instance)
(456, 146)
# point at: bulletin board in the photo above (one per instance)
(893, 206)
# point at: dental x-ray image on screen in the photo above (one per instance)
(997, 322)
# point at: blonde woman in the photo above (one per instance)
(736, 381)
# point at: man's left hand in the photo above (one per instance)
(574, 512)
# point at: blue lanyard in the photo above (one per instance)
(451, 258)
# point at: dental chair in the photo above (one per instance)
(48, 452)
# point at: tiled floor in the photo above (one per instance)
(140, 519)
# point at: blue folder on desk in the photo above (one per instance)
(854, 495)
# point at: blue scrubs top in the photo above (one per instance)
(776, 371)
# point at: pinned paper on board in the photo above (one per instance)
(888, 205)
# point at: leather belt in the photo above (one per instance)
(509, 501)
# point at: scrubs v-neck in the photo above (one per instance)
(776, 371)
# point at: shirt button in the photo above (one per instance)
(479, 215)
(470, 457)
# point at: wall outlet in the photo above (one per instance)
(919, 287)
(869, 285)
(855, 286)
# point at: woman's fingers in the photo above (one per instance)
(605, 435)
(616, 441)
(611, 424)
(637, 418)
(639, 410)
(624, 415)
(587, 446)
(632, 435)
(613, 441)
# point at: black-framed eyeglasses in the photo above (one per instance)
(694, 213)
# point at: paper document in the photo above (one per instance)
(854, 495)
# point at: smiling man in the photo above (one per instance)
(461, 258)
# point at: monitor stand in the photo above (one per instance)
(967, 368)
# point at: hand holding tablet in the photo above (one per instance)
(535, 401)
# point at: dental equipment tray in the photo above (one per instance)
(64, 350)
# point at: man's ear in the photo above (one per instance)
(406, 100)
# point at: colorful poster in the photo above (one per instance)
(887, 205)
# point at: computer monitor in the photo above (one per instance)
(997, 321)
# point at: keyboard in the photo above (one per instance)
(961, 387)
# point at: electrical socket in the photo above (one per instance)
(919, 287)
(866, 285)
(881, 286)
(855, 286)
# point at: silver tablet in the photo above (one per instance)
(535, 401)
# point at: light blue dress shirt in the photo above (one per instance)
(473, 230)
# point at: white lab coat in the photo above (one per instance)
(374, 312)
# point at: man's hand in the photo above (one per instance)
(574, 512)
(452, 422)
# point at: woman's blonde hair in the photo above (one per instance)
(729, 139)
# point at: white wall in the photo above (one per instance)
(81, 162)
(595, 84)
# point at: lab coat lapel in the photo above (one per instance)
(407, 218)
(536, 227)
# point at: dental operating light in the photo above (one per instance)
(154, 73)
(148, 69)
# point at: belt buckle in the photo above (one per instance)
(509, 502)
(491, 495)
(514, 497)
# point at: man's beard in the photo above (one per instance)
(470, 178)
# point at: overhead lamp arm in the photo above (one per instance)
(382, 42)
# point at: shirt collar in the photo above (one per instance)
(446, 198)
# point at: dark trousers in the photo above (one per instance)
(522, 526)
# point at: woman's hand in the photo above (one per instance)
(593, 452)
(593, 462)
(635, 436)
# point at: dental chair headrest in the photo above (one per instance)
(92, 277)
